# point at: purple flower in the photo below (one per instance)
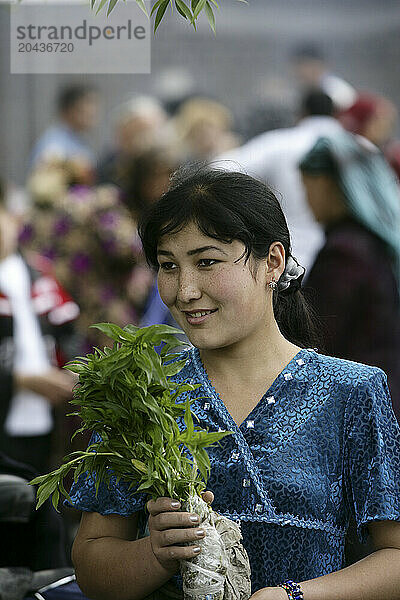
(26, 234)
(109, 245)
(62, 226)
(107, 294)
(80, 262)
(49, 252)
(109, 219)
(80, 192)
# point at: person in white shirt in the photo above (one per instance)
(35, 315)
(311, 71)
(274, 157)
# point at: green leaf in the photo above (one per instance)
(159, 333)
(111, 6)
(148, 483)
(203, 463)
(131, 328)
(160, 13)
(142, 5)
(155, 6)
(144, 363)
(210, 15)
(188, 420)
(213, 437)
(113, 331)
(183, 9)
(55, 499)
(158, 370)
(160, 7)
(139, 465)
(198, 8)
(174, 368)
(100, 6)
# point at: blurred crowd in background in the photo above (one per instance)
(70, 255)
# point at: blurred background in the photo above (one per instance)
(246, 64)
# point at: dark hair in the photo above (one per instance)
(72, 94)
(316, 103)
(138, 171)
(307, 51)
(229, 206)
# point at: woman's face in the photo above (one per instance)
(211, 294)
(324, 198)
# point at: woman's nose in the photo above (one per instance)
(188, 288)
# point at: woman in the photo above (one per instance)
(355, 281)
(315, 442)
(372, 116)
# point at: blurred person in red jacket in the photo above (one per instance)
(37, 337)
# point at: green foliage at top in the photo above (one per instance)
(188, 9)
(126, 396)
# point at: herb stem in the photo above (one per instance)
(87, 454)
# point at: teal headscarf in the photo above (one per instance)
(369, 186)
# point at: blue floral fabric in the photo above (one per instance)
(321, 448)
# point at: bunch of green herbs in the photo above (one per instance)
(126, 395)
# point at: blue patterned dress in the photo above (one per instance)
(321, 448)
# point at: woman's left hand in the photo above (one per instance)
(270, 593)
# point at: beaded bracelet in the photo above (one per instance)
(293, 590)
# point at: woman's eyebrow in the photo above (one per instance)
(192, 252)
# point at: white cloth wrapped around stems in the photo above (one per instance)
(222, 570)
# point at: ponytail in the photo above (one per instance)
(296, 319)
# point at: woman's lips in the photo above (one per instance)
(196, 317)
